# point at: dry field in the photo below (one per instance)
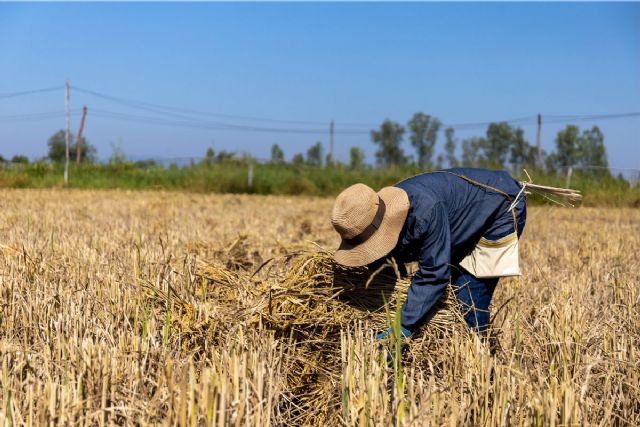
(120, 308)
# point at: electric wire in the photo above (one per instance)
(29, 92)
(185, 117)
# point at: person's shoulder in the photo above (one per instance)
(420, 180)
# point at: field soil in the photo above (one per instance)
(105, 319)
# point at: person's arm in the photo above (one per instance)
(434, 272)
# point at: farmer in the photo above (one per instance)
(461, 226)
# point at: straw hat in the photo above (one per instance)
(369, 223)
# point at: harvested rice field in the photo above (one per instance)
(154, 308)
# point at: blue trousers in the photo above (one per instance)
(473, 294)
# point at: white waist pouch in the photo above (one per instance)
(494, 258)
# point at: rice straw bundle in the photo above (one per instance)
(569, 196)
(307, 300)
(561, 196)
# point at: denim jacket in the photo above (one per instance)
(447, 217)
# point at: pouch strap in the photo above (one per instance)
(480, 184)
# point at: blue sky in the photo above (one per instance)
(352, 62)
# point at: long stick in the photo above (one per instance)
(79, 137)
(67, 135)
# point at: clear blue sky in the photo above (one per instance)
(354, 63)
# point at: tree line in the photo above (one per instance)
(503, 146)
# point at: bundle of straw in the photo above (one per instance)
(561, 196)
(307, 300)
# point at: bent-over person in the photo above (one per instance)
(461, 225)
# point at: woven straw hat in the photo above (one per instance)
(369, 223)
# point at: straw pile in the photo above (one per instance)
(308, 300)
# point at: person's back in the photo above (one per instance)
(470, 200)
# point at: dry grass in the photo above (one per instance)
(143, 308)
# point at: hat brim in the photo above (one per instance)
(386, 236)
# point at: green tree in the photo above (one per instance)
(328, 160)
(424, 134)
(277, 155)
(18, 158)
(450, 148)
(225, 156)
(585, 151)
(523, 154)
(592, 154)
(57, 148)
(496, 146)
(566, 153)
(298, 159)
(388, 139)
(356, 158)
(210, 156)
(471, 157)
(117, 155)
(314, 155)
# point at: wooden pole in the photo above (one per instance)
(567, 183)
(79, 137)
(67, 134)
(539, 159)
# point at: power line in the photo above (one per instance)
(159, 108)
(207, 124)
(182, 121)
(175, 112)
(468, 126)
(589, 117)
(184, 117)
(34, 116)
(29, 92)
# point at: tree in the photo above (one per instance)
(209, 156)
(586, 151)
(522, 153)
(314, 155)
(439, 162)
(20, 159)
(389, 138)
(471, 152)
(497, 143)
(277, 155)
(117, 155)
(2, 159)
(328, 160)
(450, 147)
(298, 159)
(356, 158)
(592, 154)
(566, 153)
(225, 156)
(57, 148)
(424, 133)
(502, 143)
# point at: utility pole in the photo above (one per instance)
(67, 135)
(331, 126)
(539, 159)
(79, 137)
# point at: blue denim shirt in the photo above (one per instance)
(447, 217)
